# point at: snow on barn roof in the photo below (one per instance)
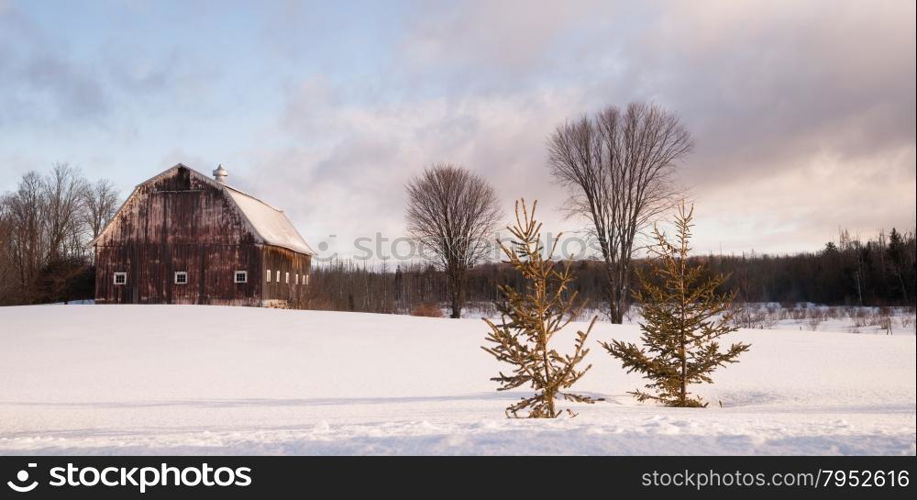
(270, 223)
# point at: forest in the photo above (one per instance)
(46, 228)
(879, 271)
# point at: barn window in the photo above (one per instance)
(242, 277)
(307, 279)
(181, 277)
(297, 278)
(287, 276)
(277, 275)
(268, 279)
(120, 278)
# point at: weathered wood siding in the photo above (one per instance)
(293, 271)
(178, 222)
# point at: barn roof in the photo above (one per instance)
(269, 224)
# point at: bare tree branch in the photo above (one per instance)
(100, 201)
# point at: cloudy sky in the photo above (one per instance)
(803, 112)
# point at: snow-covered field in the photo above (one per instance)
(84, 379)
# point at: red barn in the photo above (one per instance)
(184, 238)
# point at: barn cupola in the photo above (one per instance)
(220, 174)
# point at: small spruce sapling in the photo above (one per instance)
(529, 320)
(683, 316)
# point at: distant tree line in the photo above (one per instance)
(880, 271)
(876, 272)
(46, 226)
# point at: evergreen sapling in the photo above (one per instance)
(529, 320)
(683, 317)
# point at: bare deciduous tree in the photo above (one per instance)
(9, 278)
(451, 212)
(100, 201)
(618, 166)
(25, 213)
(63, 192)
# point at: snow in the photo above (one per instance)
(774, 316)
(87, 379)
(270, 223)
(815, 317)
